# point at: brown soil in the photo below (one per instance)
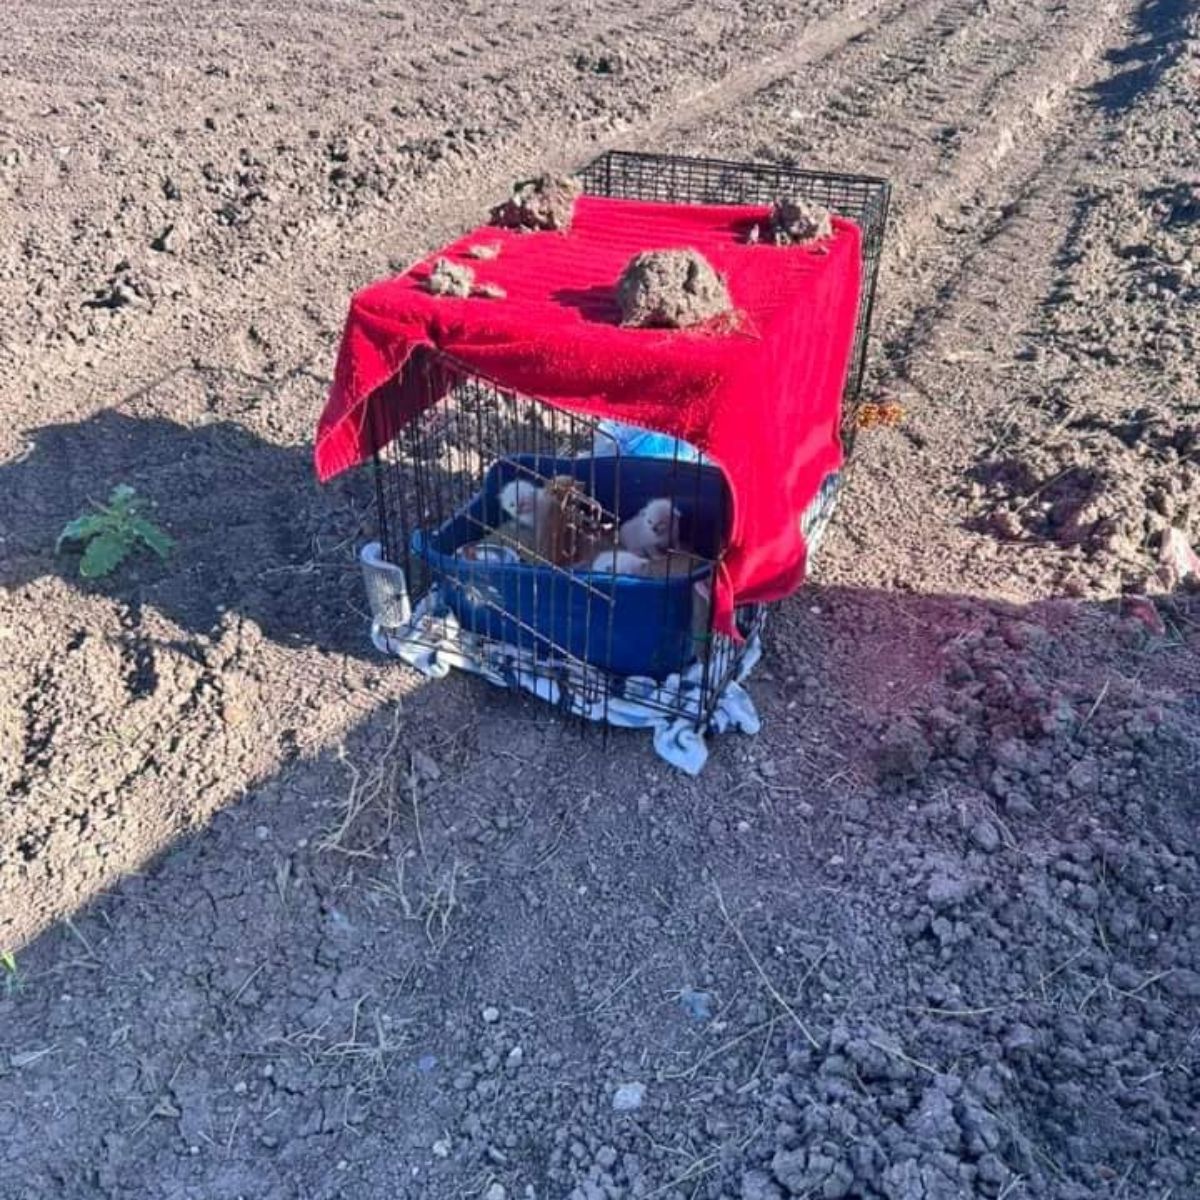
(290, 922)
(671, 289)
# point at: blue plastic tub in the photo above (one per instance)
(623, 624)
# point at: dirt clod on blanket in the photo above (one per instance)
(547, 202)
(671, 289)
(799, 220)
(450, 279)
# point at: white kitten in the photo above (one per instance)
(653, 531)
(619, 562)
(520, 500)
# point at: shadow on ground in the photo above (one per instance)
(254, 532)
(1160, 37)
(516, 921)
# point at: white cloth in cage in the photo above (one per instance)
(432, 641)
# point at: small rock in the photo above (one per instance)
(1020, 1038)
(441, 1148)
(837, 1184)
(516, 1056)
(790, 1167)
(985, 835)
(1084, 776)
(1125, 976)
(628, 1097)
(1142, 610)
(601, 62)
(697, 1005)
(425, 766)
(1183, 984)
(1013, 755)
(757, 1185)
(858, 808)
(934, 1124)
(945, 891)
(1019, 805)
(1006, 525)
(491, 1015)
(496, 1192)
(904, 752)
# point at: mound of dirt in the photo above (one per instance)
(671, 289)
(547, 202)
(796, 221)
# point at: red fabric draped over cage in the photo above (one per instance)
(762, 399)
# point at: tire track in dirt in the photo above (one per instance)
(1010, 176)
(438, 182)
(987, 95)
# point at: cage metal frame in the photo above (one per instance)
(478, 422)
(483, 422)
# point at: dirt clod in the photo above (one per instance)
(672, 289)
(547, 202)
(450, 279)
(904, 753)
(794, 221)
(628, 1097)
(484, 251)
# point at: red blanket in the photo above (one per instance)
(762, 401)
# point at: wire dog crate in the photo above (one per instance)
(502, 521)
(583, 634)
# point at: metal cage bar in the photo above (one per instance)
(436, 480)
